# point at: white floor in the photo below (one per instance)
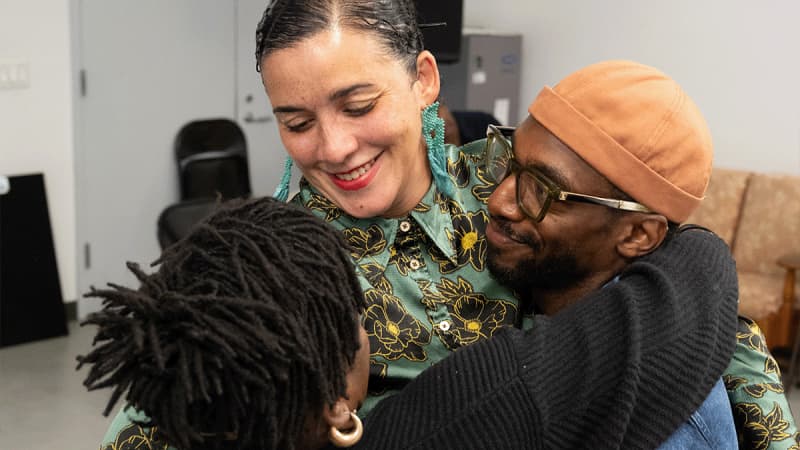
(43, 404)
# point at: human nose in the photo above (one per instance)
(503, 201)
(336, 142)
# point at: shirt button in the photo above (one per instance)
(444, 325)
(414, 264)
(405, 226)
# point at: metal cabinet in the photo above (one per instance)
(486, 77)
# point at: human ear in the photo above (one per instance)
(345, 428)
(427, 82)
(337, 415)
(643, 234)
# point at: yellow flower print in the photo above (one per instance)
(377, 368)
(446, 204)
(422, 207)
(771, 366)
(469, 240)
(430, 296)
(393, 332)
(319, 203)
(474, 317)
(758, 390)
(375, 275)
(135, 437)
(377, 371)
(796, 445)
(459, 171)
(732, 383)
(484, 189)
(749, 334)
(760, 430)
(363, 243)
(402, 261)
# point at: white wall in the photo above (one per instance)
(137, 99)
(36, 129)
(737, 59)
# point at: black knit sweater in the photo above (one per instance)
(621, 368)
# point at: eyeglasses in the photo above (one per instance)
(535, 192)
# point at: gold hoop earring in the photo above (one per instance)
(343, 440)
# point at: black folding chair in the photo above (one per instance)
(177, 220)
(212, 160)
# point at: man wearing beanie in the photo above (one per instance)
(606, 166)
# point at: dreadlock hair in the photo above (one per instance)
(249, 325)
(394, 22)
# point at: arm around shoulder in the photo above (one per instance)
(649, 347)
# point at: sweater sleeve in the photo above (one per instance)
(626, 365)
(621, 368)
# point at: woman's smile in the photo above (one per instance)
(357, 178)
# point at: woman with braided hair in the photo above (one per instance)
(256, 312)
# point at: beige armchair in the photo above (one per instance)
(758, 215)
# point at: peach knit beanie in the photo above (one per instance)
(638, 128)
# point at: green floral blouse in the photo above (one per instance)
(429, 292)
(424, 275)
(753, 380)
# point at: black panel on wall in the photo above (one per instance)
(444, 41)
(31, 305)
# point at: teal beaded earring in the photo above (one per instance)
(433, 131)
(282, 191)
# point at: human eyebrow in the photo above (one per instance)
(342, 93)
(337, 95)
(286, 109)
(553, 175)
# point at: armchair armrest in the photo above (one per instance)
(791, 263)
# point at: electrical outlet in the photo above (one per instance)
(14, 74)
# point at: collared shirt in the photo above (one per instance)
(424, 275)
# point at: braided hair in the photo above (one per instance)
(394, 22)
(249, 325)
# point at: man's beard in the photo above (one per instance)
(529, 275)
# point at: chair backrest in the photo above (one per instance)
(770, 223)
(176, 220)
(212, 160)
(721, 209)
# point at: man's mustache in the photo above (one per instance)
(505, 226)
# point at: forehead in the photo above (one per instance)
(329, 60)
(536, 146)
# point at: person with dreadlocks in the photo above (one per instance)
(247, 336)
(248, 329)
